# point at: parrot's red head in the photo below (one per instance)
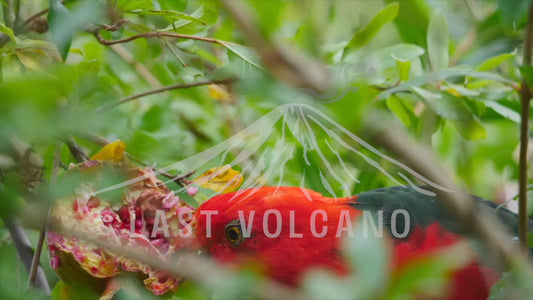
(283, 230)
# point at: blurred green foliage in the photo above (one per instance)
(447, 71)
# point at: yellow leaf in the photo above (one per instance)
(28, 61)
(218, 93)
(454, 92)
(111, 151)
(220, 179)
(76, 50)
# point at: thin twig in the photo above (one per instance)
(35, 17)
(115, 26)
(166, 88)
(26, 24)
(75, 149)
(152, 34)
(178, 179)
(36, 257)
(525, 99)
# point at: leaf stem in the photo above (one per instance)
(164, 89)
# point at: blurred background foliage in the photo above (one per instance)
(447, 71)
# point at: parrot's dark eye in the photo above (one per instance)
(234, 233)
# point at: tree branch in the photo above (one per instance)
(525, 99)
(164, 89)
(422, 160)
(35, 17)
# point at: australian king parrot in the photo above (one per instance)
(287, 231)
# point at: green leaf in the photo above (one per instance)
(323, 285)
(246, 53)
(386, 58)
(153, 119)
(456, 88)
(369, 256)
(61, 37)
(503, 111)
(438, 42)
(527, 73)
(402, 52)
(471, 130)
(128, 5)
(493, 62)
(445, 104)
(412, 21)
(422, 276)
(513, 11)
(478, 108)
(478, 84)
(8, 31)
(64, 23)
(401, 109)
(530, 240)
(403, 67)
(363, 36)
(427, 277)
(205, 16)
(514, 284)
(190, 290)
(56, 291)
(440, 76)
